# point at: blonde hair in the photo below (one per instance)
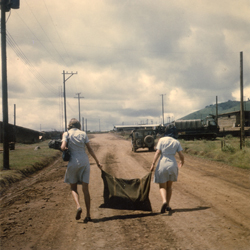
(74, 123)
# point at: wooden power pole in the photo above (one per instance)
(162, 102)
(82, 123)
(5, 6)
(217, 110)
(79, 109)
(4, 89)
(64, 95)
(242, 115)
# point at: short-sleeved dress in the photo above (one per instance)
(78, 169)
(167, 168)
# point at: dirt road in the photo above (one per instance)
(211, 205)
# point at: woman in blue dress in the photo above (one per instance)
(78, 169)
(166, 171)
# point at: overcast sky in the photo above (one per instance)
(128, 54)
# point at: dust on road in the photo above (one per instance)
(210, 201)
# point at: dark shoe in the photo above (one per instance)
(87, 219)
(163, 207)
(78, 213)
(168, 208)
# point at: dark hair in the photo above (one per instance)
(74, 123)
(170, 131)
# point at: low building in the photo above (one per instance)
(20, 134)
(230, 123)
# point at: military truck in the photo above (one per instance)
(143, 138)
(197, 129)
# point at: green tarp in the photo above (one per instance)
(126, 193)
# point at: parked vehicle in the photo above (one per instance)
(194, 129)
(143, 138)
(55, 144)
(197, 129)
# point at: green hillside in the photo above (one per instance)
(224, 107)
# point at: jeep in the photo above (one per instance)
(143, 138)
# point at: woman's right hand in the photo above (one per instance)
(64, 146)
(152, 167)
(99, 165)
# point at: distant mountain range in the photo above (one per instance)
(225, 107)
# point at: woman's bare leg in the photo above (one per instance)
(75, 194)
(163, 191)
(85, 189)
(169, 192)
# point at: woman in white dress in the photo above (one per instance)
(166, 171)
(78, 169)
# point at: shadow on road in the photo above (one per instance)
(133, 216)
(124, 217)
(187, 210)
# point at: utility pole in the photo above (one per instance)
(82, 123)
(162, 109)
(61, 108)
(86, 126)
(14, 123)
(64, 95)
(242, 115)
(216, 110)
(6, 155)
(79, 105)
(5, 6)
(14, 114)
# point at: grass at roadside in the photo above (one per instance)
(226, 150)
(25, 160)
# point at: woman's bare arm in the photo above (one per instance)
(64, 145)
(156, 156)
(181, 158)
(93, 155)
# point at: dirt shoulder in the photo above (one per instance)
(210, 202)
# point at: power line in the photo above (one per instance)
(46, 34)
(36, 38)
(57, 31)
(11, 42)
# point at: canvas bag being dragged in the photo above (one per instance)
(126, 193)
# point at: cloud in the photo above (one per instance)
(246, 93)
(127, 54)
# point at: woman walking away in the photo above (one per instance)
(166, 171)
(78, 169)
